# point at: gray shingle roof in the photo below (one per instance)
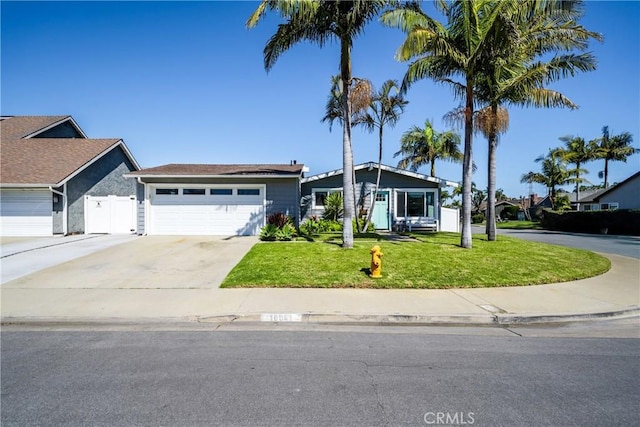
(43, 160)
(220, 169)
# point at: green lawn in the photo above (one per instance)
(434, 261)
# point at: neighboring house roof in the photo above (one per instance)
(17, 127)
(29, 161)
(374, 165)
(618, 185)
(483, 205)
(585, 195)
(219, 170)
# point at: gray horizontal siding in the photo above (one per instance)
(365, 184)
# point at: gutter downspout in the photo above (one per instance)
(64, 208)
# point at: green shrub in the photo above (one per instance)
(310, 227)
(333, 206)
(269, 232)
(330, 226)
(362, 221)
(286, 232)
(477, 218)
(620, 221)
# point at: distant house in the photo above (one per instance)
(55, 180)
(404, 197)
(622, 195)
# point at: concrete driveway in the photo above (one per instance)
(22, 256)
(149, 262)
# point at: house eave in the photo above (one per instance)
(373, 165)
(28, 185)
(209, 176)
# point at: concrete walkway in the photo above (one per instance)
(615, 293)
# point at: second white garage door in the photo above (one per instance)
(199, 210)
(26, 212)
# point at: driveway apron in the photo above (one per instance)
(24, 257)
(150, 262)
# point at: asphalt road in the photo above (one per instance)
(620, 245)
(317, 378)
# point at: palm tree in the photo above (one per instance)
(473, 35)
(519, 79)
(576, 151)
(554, 173)
(478, 38)
(320, 22)
(420, 147)
(385, 110)
(359, 97)
(616, 148)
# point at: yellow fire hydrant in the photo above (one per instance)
(376, 262)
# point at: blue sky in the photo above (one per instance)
(184, 82)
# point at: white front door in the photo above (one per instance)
(26, 212)
(110, 214)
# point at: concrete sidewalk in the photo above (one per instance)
(616, 293)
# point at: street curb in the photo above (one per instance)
(324, 319)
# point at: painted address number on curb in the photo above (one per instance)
(281, 317)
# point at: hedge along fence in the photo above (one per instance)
(620, 221)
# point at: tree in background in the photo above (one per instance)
(616, 148)
(478, 38)
(385, 109)
(576, 151)
(554, 174)
(360, 99)
(423, 146)
(318, 23)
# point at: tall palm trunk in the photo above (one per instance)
(578, 186)
(465, 238)
(433, 168)
(348, 190)
(375, 191)
(491, 185)
(606, 173)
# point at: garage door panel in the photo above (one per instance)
(205, 215)
(26, 213)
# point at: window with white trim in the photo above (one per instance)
(609, 206)
(318, 196)
(415, 203)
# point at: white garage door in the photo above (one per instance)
(26, 213)
(222, 211)
(110, 214)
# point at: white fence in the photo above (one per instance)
(450, 220)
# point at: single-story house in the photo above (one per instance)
(500, 206)
(623, 195)
(403, 197)
(215, 199)
(56, 180)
